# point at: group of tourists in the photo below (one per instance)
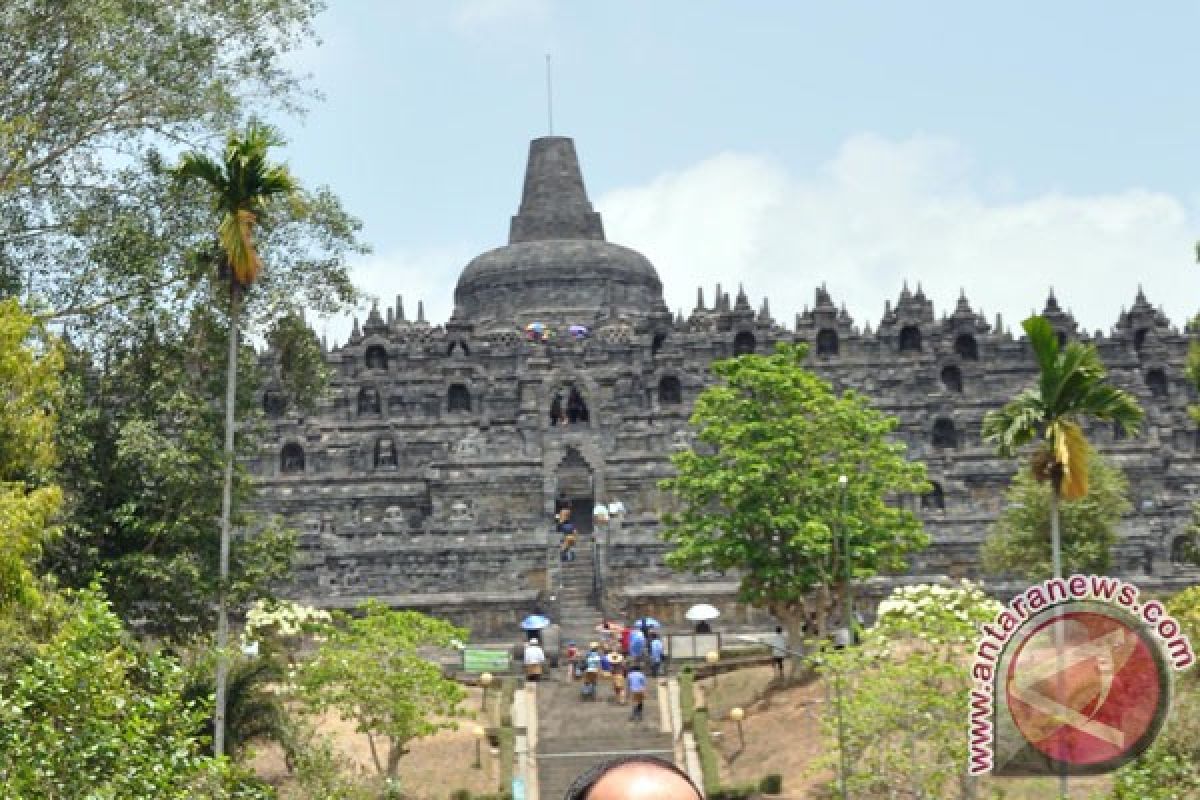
(603, 663)
(574, 412)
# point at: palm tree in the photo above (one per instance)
(1071, 386)
(253, 711)
(243, 187)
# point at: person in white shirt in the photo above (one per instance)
(535, 657)
(778, 642)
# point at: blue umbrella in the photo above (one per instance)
(534, 622)
(648, 622)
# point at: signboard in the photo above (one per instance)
(693, 645)
(478, 660)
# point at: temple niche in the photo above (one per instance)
(563, 378)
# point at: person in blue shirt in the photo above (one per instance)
(656, 655)
(637, 644)
(636, 683)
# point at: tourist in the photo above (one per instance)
(572, 658)
(591, 673)
(636, 777)
(636, 682)
(567, 546)
(618, 678)
(656, 655)
(535, 659)
(703, 627)
(778, 642)
(556, 409)
(637, 643)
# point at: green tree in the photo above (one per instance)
(371, 671)
(1071, 386)
(1020, 540)
(143, 473)
(760, 492)
(919, 650)
(29, 501)
(82, 80)
(88, 713)
(244, 187)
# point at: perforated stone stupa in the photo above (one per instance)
(428, 475)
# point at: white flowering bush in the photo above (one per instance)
(937, 614)
(904, 691)
(279, 624)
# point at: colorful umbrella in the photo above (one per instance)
(579, 331)
(536, 327)
(648, 622)
(535, 622)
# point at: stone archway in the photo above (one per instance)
(577, 456)
(557, 381)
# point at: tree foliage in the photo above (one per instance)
(89, 714)
(1071, 385)
(371, 671)
(759, 493)
(29, 501)
(141, 436)
(1020, 540)
(904, 694)
(87, 87)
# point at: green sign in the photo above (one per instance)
(475, 660)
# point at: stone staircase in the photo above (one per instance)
(578, 618)
(574, 734)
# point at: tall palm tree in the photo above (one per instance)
(1071, 386)
(243, 186)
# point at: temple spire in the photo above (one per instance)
(554, 202)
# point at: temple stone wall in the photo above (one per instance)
(431, 468)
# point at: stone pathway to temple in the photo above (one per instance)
(578, 617)
(573, 734)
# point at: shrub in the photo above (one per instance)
(771, 784)
(706, 752)
(460, 794)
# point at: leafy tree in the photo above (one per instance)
(919, 651)
(1071, 386)
(141, 436)
(84, 80)
(371, 671)
(28, 500)
(244, 188)
(760, 493)
(254, 709)
(1020, 540)
(90, 714)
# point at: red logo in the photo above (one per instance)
(1086, 689)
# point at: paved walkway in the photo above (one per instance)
(573, 734)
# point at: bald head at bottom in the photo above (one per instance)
(642, 781)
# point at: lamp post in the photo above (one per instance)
(712, 657)
(479, 734)
(737, 715)
(485, 680)
(847, 621)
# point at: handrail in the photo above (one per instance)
(597, 578)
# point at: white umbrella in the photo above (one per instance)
(703, 611)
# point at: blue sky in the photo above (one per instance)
(999, 148)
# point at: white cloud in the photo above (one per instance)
(881, 211)
(474, 15)
(428, 274)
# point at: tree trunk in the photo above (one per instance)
(226, 509)
(1056, 556)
